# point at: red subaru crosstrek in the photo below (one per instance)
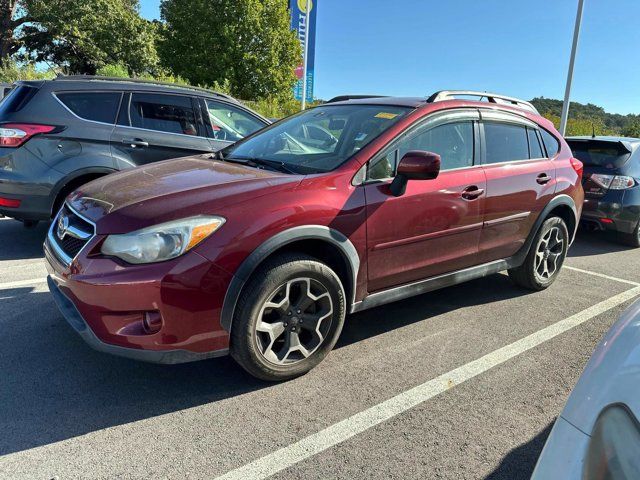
(262, 250)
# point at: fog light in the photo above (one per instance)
(152, 322)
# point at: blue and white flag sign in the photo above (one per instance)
(304, 23)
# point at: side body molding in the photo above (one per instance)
(305, 232)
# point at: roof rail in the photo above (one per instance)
(491, 98)
(342, 98)
(61, 77)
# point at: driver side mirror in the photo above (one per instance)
(415, 165)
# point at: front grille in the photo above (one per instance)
(70, 233)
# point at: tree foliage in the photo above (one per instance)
(85, 35)
(589, 118)
(249, 43)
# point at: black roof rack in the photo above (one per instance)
(342, 98)
(491, 98)
(141, 81)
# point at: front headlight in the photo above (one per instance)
(163, 241)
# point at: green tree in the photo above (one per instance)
(633, 128)
(85, 35)
(248, 43)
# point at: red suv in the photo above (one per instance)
(262, 249)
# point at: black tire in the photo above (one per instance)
(528, 274)
(288, 272)
(631, 239)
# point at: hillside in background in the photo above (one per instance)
(584, 119)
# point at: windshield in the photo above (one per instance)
(318, 140)
(599, 154)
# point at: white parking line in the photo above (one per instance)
(23, 283)
(601, 275)
(360, 422)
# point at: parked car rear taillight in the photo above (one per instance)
(15, 134)
(577, 166)
(613, 182)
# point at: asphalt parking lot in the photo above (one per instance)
(460, 383)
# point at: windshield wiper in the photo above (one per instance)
(260, 162)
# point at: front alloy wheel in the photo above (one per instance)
(294, 321)
(288, 317)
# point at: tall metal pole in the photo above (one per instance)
(307, 21)
(574, 49)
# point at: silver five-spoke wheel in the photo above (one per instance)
(549, 252)
(294, 321)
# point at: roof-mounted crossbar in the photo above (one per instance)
(342, 98)
(491, 98)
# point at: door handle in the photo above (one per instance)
(135, 142)
(472, 192)
(543, 178)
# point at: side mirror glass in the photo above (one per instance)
(415, 165)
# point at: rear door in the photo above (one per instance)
(520, 182)
(158, 126)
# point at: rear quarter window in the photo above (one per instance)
(95, 106)
(17, 98)
(550, 143)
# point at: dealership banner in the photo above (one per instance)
(304, 23)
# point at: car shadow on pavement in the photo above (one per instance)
(54, 387)
(19, 243)
(596, 243)
(520, 462)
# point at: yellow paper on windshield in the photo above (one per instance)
(387, 116)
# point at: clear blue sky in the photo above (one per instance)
(516, 47)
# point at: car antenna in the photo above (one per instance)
(593, 130)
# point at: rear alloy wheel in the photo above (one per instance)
(288, 318)
(545, 258)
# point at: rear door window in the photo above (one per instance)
(505, 142)
(95, 106)
(163, 113)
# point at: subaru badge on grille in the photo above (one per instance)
(63, 226)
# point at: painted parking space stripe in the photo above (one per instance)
(360, 422)
(601, 275)
(23, 283)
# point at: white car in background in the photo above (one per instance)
(597, 435)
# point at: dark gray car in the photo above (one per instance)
(57, 135)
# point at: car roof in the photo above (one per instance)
(99, 82)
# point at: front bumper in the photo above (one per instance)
(73, 317)
(608, 214)
(106, 301)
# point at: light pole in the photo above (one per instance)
(306, 54)
(574, 48)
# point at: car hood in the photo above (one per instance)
(164, 191)
(611, 376)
